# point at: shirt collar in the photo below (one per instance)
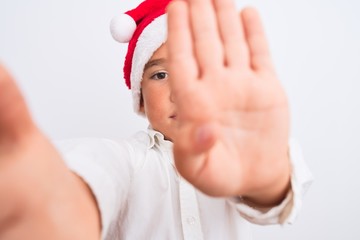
(157, 138)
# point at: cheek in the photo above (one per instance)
(154, 111)
(153, 100)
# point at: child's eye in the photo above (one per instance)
(159, 75)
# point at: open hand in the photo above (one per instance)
(232, 111)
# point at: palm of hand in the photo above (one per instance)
(233, 117)
(237, 131)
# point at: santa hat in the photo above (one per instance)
(145, 29)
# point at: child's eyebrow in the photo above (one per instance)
(154, 62)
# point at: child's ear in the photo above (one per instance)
(142, 108)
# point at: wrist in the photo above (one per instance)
(273, 193)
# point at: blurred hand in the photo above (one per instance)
(39, 197)
(233, 113)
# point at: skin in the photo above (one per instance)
(221, 104)
(161, 110)
(39, 197)
(233, 115)
(157, 102)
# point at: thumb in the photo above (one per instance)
(15, 120)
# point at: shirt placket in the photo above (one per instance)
(189, 208)
(190, 217)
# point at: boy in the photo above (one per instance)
(211, 96)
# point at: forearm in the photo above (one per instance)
(68, 211)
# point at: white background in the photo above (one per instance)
(70, 71)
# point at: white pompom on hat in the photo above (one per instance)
(145, 29)
(122, 28)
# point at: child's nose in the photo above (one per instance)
(171, 97)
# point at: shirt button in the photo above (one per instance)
(191, 220)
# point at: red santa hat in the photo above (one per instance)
(145, 29)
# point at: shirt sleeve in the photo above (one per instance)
(288, 209)
(106, 167)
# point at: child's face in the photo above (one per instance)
(157, 103)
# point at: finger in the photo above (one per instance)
(232, 33)
(183, 68)
(15, 120)
(207, 41)
(260, 59)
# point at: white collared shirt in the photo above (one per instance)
(140, 194)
